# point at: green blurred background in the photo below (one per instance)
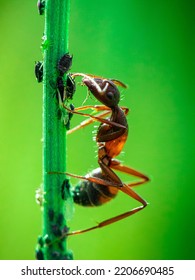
(150, 46)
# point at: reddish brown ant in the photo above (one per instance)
(103, 184)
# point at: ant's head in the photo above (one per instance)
(104, 90)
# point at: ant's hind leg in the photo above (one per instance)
(109, 221)
(122, 216)
(124, 188)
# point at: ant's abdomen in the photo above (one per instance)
(88, 193)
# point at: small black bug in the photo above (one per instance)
(41, 7)
(60, 87)
(70, 87)
(65, 188)
(39, 254)
(64, 63)
(39, 71)
(70, 115)
(66, 91)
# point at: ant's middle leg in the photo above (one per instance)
(126, 188)
(89, 178)
(111, 179)
(116, 165)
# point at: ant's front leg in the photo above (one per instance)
(93, 117)
(105, 112)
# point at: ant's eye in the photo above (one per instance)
(109, 95)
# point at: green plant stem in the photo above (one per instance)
(54, 132)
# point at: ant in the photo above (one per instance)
(103, 184)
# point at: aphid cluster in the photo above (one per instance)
(66, 88)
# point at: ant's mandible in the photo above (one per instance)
(103, 184)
